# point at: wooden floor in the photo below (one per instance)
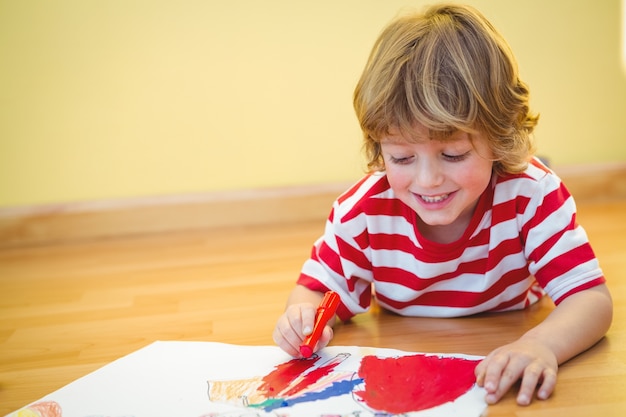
(66, 310)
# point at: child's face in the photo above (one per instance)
(441, 180)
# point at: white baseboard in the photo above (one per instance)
(77, 221)
(595, 181)
(104, 219)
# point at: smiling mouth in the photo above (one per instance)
(434, 199)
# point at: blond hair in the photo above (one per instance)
(447, 69)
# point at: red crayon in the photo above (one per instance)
(325, 312)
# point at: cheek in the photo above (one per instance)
(399, 179)
(475, 176)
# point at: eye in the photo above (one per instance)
(401, 161)
(456, 158)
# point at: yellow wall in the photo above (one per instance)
(103, 99)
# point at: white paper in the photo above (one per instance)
(167, 379)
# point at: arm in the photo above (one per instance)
(297, 321)
(576, 324)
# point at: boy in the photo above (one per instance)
(455, 217)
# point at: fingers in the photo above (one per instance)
(502, 369)
(498, 375)
(326, 337)
(549, 383)
(530, 379)
(293, 326)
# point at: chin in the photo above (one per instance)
(435, 217)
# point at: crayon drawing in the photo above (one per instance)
(290, 383)
(41, 409)
(393, 385)
(204, 379)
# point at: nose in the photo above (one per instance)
(429, 174)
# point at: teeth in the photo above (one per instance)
(434, 199)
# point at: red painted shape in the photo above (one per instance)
(312, 377)
(284, 374)
(414, 383)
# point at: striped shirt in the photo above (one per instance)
(522, 242)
